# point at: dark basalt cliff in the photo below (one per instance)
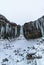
(8, 29)
(34, 29)
(30, 30)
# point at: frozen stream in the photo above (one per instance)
(14, 52)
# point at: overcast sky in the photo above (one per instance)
(21, 11)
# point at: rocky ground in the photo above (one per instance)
(13, 52)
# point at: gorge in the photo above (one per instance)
(30, 30)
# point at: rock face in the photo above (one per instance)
(3, 22)
(8, 29)
(34, 29)
(30, 30)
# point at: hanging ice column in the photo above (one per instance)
(42, 26)
(15, 30)
(2, 31)
(21, 30)
(7, 28)
(38, 25)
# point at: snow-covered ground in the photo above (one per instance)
(13, 52)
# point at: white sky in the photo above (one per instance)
(21, 11)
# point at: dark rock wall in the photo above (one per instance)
(7, 28)
(34, 29)
(30, 30)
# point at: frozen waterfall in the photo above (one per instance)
(21, 30)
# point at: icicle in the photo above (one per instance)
(7, 28)
(2, 31)
(40, 27)
(15, 30)
(42, 30)
(37, 24)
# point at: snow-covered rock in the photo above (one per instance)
(16, 51)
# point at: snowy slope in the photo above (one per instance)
(15, 51)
